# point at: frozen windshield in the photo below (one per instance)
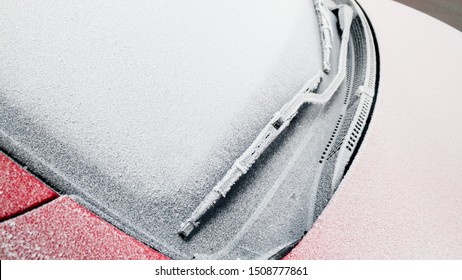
(139, 108)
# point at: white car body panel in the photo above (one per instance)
(402, 197)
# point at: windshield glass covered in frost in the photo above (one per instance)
(139, 108)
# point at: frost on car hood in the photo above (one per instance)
(138, 108)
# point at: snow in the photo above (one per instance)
(206, 83)
(19, 190)
(401, 198)
(62, 229)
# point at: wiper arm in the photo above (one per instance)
(273, 129)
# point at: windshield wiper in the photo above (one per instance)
(277, 124)
(326, 34)
(273, 129)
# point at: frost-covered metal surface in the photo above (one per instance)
(19, 190)
(401, 198)
(63, 229)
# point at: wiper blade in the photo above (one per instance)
(240, 167)
(326, 34)
(273, 129)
